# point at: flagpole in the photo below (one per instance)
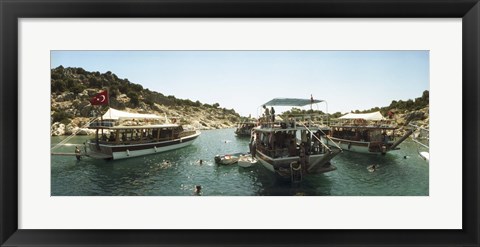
(108, 99)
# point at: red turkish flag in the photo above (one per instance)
(100, 98)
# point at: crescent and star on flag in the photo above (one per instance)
(100, 98)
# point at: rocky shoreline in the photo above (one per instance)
(420, 118)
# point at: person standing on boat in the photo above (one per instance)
(253, 145)
(78, 153)
(267, 114)
(272, 112)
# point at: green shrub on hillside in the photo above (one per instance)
(133, 98)
(61, 117)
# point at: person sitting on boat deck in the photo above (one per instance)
(78, 153)
(384, 137)
(124, 138)
(111, 138)
(104, 137)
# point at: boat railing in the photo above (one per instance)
(131, 141)
(187, 133)
(282, 152)
(285, 124)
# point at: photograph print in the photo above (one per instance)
(239, 123)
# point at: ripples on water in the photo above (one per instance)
(153, 176)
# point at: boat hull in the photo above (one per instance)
(358, 146)
(117, 152)
(321, 161)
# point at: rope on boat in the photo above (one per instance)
(419, 143)
(323, 144)
(64, 141)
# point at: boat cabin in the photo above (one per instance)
(117, 135)
(288, 142)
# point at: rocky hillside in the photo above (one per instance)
(72, 88)
(419, 118)
(413, 111)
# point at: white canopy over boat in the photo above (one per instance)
(374, 116)
(116, 114)
(291, 102)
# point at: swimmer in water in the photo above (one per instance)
(372, 168)
(198, 190)
(78, 154)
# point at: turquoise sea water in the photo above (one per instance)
(152, 176)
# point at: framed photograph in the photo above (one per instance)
(361, 120)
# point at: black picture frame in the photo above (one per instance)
(11, 11)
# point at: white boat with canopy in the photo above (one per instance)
(121, 135)
(292, 148)
(366, 133)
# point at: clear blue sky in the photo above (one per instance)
(244, 80)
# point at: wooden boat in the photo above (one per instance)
(121, 135)
(366, 133)
(247, 160)
(244, 129)
(293, 148)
